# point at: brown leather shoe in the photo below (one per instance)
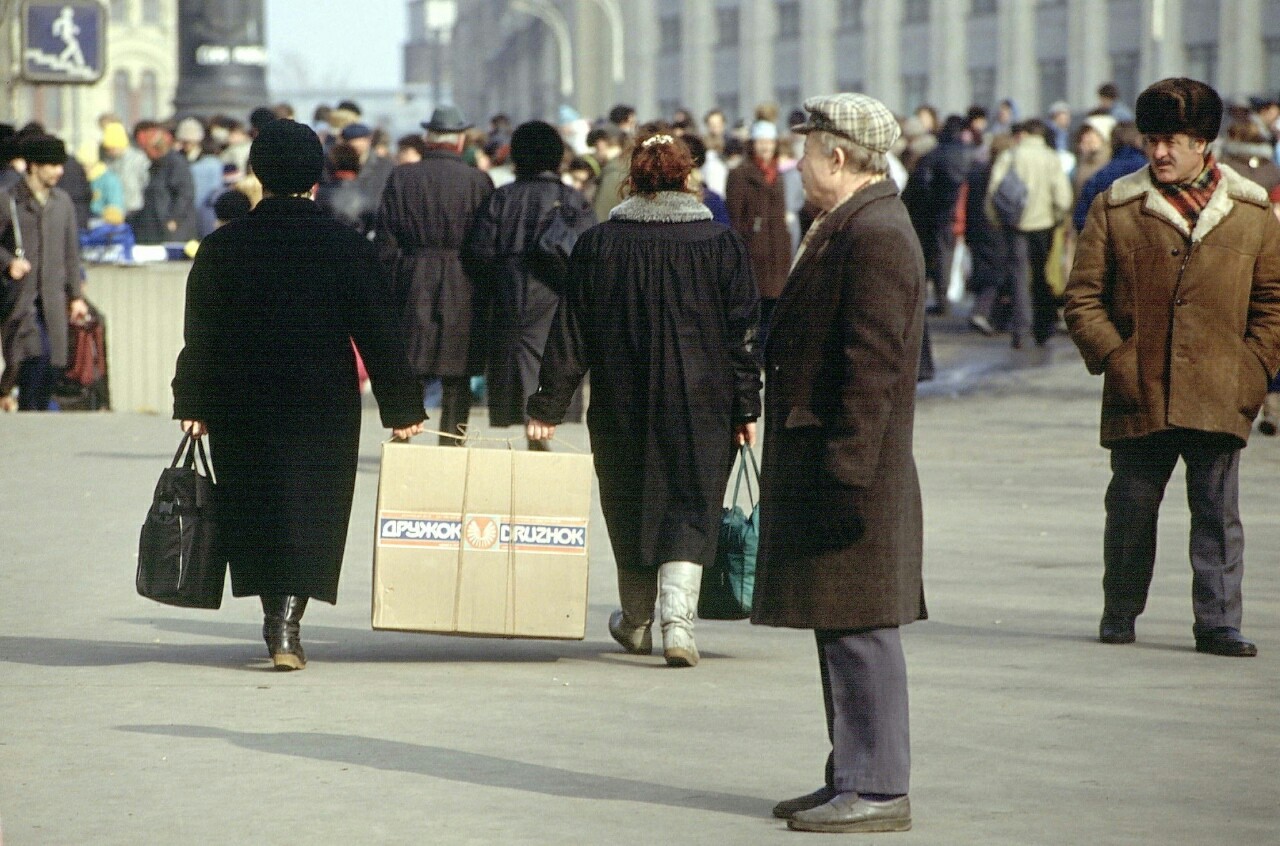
(788, 808)
(849, 813)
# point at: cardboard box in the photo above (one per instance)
(482, 541)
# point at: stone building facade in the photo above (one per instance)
(950, 53)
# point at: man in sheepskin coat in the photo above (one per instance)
(1175, 298)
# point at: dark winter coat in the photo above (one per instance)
(841, 360)
(758, 213)
(989, 245)
(1124, 162)
(514, 308)
(1183, 323)
(426, 211)
(1252, 161)
(52, 245)
(76, 183)
(273, 302)
(169, 196)
(660, 307)
(934, 187)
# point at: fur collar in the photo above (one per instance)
(1233, 187)
(663, 207)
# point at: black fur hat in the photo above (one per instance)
(536, 147)
(287, 157)
(39, 148)
(1177, 105)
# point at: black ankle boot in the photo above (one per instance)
(281, 629)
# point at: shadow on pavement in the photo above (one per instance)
(465, 767)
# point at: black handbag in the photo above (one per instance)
(548, 256)
(729, 583)
(178, 556)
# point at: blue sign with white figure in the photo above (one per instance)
(64, 42)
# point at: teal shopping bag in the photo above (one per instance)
(727, 584)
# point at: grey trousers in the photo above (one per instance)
(864, 685)
(1140, 471)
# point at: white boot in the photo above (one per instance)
(678, 586)
(630, 624)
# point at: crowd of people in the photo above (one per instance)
(684, 272)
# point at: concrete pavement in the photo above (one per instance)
(126, 722)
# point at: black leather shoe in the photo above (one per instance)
(1225, 641)
(1116, 628)
(787, 809)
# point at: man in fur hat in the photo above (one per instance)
(39, 275)
(1175, 299)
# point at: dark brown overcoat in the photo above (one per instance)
(758, 213)
(840, 393)
(1185, 324)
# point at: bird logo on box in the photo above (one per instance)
(481, 532)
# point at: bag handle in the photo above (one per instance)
(193, 447)
(745, 450)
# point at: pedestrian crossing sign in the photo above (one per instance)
(63, 41)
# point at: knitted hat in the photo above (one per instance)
(1178, 105)
(356, 130)
(190, 130)
(114, 137)
(287, 157)
(763, 130)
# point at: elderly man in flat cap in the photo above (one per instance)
(39, 275)
(426, 210)
(1175, 299)
(841, 525)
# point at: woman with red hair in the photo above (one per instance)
(661, 308)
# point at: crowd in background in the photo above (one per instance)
(174, 182)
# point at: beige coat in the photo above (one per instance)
(1185, 324)
(1048, 189)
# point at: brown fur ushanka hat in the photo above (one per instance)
(1177, 105)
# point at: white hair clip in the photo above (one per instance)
(658, 139)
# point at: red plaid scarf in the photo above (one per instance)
(1190, 198)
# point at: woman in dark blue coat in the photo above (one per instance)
(661, 307)
(273, 302)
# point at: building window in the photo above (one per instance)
(982, 8)
(1053, 81)
(982, 85)
(148, 95)
(1124, 73)
(730, 105)
(789, 20)
(850, 86)
(915, 11)
(669, 35)
(1202, 63)
(667, 108)
(728, 27)
(119, 11)
(850, 16)
(46, 105)
(788, 100)
(1273, 64)
(151, 13)
(915, 90)
(122, 98)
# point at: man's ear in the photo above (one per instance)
(838, 159)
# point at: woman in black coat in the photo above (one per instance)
(273, 302)
(518, 304)
(661, 307)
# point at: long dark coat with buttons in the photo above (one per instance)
(423, 219)
(660, 307)
(51, 244)
(274, 301)
(839, 416)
